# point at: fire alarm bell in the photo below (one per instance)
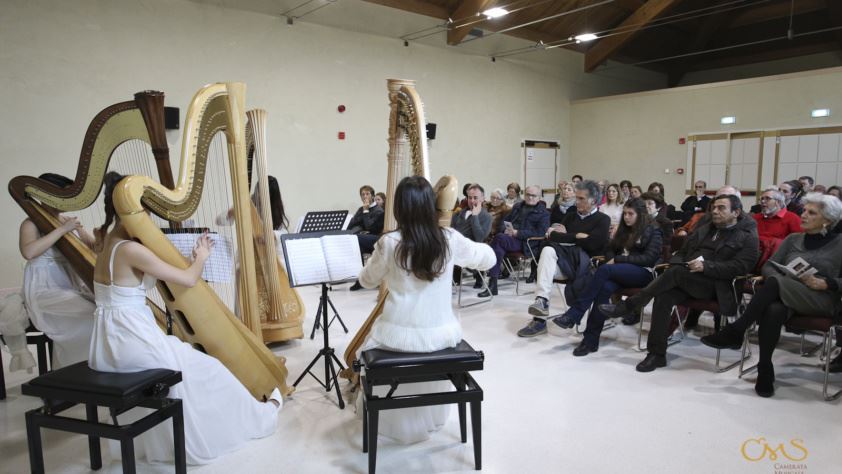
(682, 140)
(679, 170)
(341, 108)
(341, 135)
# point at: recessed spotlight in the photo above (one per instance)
(820, 113)
(495, 12)
(728, 120)
(585, 37)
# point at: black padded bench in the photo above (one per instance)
(394, 368)
(119, 392)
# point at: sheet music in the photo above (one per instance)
(306, 261)
(342, 253)
(219, 267)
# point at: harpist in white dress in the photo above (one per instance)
(418, 317)
(220, 415)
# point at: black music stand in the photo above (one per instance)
(331, 379)
(324, 221)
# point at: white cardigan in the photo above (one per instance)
(418, 315)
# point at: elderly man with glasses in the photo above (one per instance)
(529, 218)
(774, 220)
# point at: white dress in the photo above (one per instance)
(60, 306)
(220, 414)
(417, 317)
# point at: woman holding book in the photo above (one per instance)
(782, 294)
(416, 261)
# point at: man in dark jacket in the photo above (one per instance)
(713, 255)
(474, 222)
(528, 219)
(367, 223)
(566, 253)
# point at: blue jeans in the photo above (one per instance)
(606, 281)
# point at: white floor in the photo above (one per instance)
(544, 410)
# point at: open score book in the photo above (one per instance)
(329, 258)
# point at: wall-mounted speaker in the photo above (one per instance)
(431, 131)
(171, 120)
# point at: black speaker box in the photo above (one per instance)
(431, 131)
(171, 120)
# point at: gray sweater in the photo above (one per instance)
(474, 227)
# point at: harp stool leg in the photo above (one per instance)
(119, 392)
(387, 368)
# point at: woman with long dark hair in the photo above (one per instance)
(58, 303)
(220, 414)
(416, 261)
(631, 253)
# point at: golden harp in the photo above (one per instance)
(408, 156)
(206, 322)
(280, 306)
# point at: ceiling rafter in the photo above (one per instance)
(606, 47)
(415, 6)
(777, 11)
(466, 9)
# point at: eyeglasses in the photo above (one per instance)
(532, 195)
(700, 187)
(766, 198)
(496, 198)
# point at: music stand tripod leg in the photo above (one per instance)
(316, 322)
(336, 315)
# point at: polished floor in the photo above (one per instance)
(544, 410)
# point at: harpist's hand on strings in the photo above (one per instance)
(202, 249)
(69, 224)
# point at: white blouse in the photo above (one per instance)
(418, 315)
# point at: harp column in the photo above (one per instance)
(398, 149)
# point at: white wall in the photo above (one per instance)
(62, 62)
(635, 136)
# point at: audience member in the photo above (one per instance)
(773, 220)
(696, 203)
(806, 183)
(576, 179)
(698, 218)
(463, 204)
(656, 187)
(566, 254)
(835, 191)
(631, 254)
(380, 199)
(792, 191)
(820, 188)
(612, 206)
(513, 194)
(703, 268)
(558, 192)
(474, 223)
(656, 208)
(625, 189)
(367, 223)
(603, 185)
(528, 219)
(497, 207)
(636, 192)
(567, 202)
(815, 294)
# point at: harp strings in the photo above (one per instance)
(270, 272)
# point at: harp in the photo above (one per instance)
(206, 321)
(131, 129)
(408, 155)
(280, 307)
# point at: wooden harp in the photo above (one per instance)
(206, 322)
(280, 306)
(408, 156)
(138, 120)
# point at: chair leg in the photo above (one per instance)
(93, 441)
(127, 451)
(828, 349)
(42, 358)
(640, 346)
(476, 429)
(373, 416)
(2, 379)
(745, 354)
(459, 383)
(365, 424)
(33, 436)
(180, 454)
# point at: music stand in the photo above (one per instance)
(331, 379)
(322, 222)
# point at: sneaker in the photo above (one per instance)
(536, 327)
(541, 307)
(565, 321)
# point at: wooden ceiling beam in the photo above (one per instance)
(763, 56)
(464, 13)
(778, 10)
(835, 12)
(415, 6)
(607, 47)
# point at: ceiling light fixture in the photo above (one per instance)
(495, 12)
(815, 113)
(584, 38)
